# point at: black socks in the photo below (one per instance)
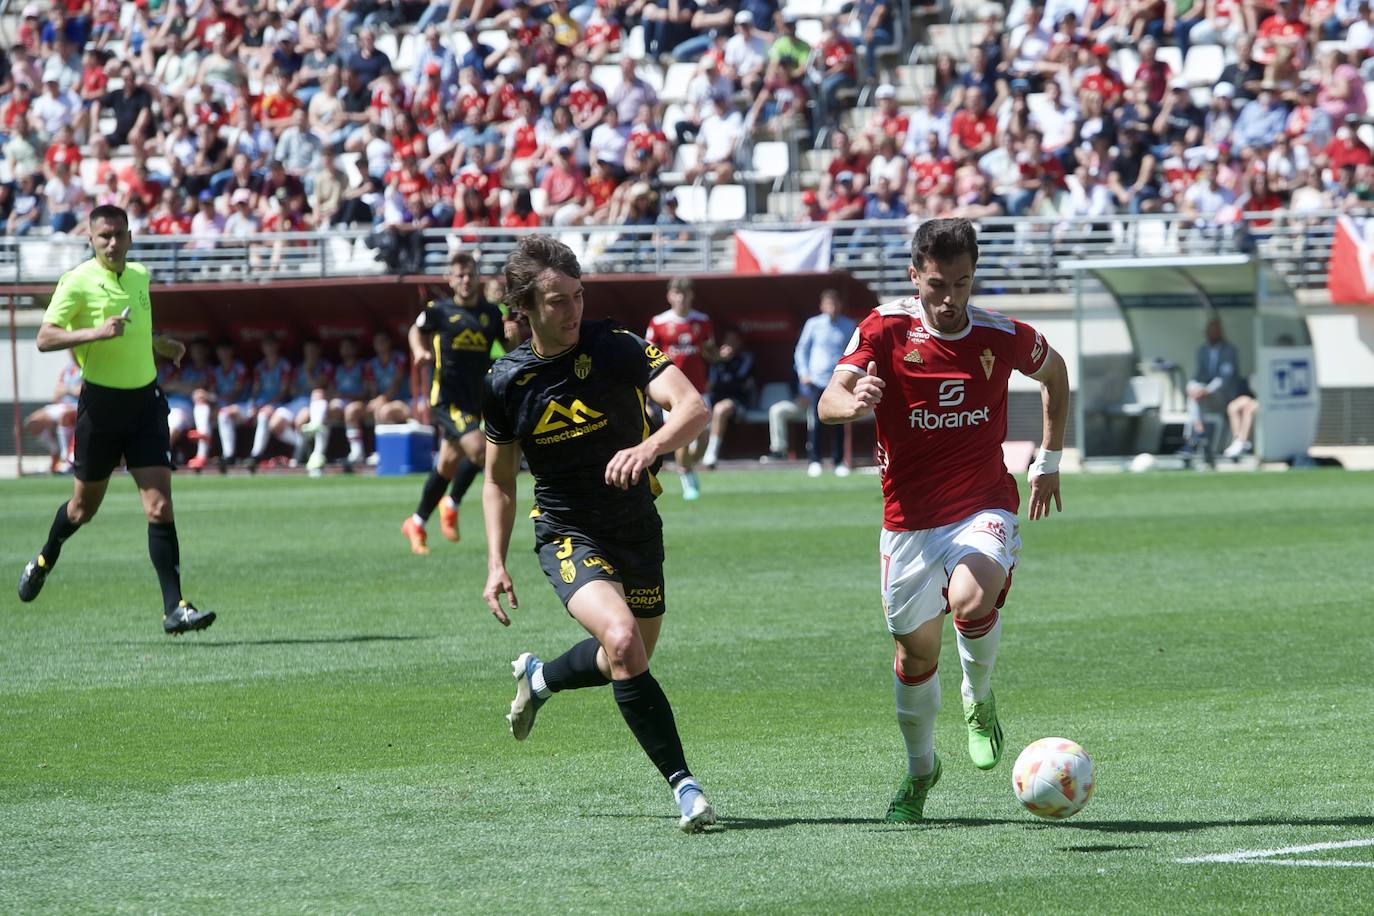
(165, 552)
(435, 485)
(462, 479)
(62, 528)
(575, 668)
(649, 716)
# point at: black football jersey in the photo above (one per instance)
(570, 414)
(461, 339)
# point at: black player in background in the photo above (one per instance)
(573, 399)
(456, 335)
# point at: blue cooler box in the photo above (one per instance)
(404, 448)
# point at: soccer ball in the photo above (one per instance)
(1053, 778)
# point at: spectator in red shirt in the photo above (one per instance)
(1345, 149)
(887, 120)
(835, 63)
(1154, 72)
(473, 213)
(846, 159)
(565, 190)
(1282, 28)
(62, 150)
(973, 129)
(1102, 79)
(521, 214)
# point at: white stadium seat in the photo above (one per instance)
(1204, 64)
(727, 203)
(675, 82)
(691, 202)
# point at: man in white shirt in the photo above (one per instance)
(745, 54)
(610, 138)
(1055, 118)
(717, 141)
(52, 109)
(1029, 42)
(1205, 199)
(931, 118)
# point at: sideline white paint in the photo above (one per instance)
(1265, 856)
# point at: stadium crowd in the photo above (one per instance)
(221, 118)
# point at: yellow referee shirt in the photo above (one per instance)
(88, 294)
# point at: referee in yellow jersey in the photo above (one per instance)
(101, 309)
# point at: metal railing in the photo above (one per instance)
(1019, 255)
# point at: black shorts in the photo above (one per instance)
(633, 557)
(114, 424)
(453, 421)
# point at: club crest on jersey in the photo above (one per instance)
(582, 367)
(913, 357)
(987, 359)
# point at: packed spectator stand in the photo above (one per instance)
(220, 121)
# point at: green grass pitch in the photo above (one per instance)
(336, 741)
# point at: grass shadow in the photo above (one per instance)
(290, 641)
(1154, 826)
(1100, 847)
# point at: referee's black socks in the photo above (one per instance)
(649, 716)
(165, 552)
(62, 528)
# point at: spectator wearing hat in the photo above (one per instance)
(717, 142)
(1345, 149)
(668, 215)
(707, 83)
(834, 69)
(52, 109)
(846, 201)
(845, 158)
(1308, 123)
(746, 54)
(647, 151)
(1179, 118)
(787, 48)
(887, 119)
(1220, 118)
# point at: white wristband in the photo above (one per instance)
(1046, 462)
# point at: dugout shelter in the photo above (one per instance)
(1165, 304)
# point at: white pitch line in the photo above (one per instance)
(1248, 855)
(1315, 863)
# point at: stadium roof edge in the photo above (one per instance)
(1217, 260)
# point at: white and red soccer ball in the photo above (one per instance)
(1053, 778)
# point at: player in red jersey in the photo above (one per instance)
(950, 541)
(687, 337)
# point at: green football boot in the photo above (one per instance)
(908, 805)
(984, 732)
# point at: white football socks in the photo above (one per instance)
(917, 706)
(64, 440)
(261, 435)
(712, 453)
(201, 412)
(355, 443)
(319, 409)
(977, 641)
(49, 439)
(228, 435)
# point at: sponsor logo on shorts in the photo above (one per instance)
(582, 367)
(559, 423)
(593, 562)
(644, 598)
(993, 527)
(567, 571)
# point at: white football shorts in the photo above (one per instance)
(916, 565)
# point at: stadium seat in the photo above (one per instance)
(770, 162)
(727, 203)
(458, 43)
(157, 165)
(539, 198)
(1126, 62)
(1204, 64)
(1369, 96)
(408, 53)
(607, 76)
(770, 394)
(633, 46)
(388, 44)
(691, 202)
(88, 171)
(813, 9)
(675, 83)
(348, 163)
(496, 39)
(1365, 132)
(1171, 56)
(810, 31)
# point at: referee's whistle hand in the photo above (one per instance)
(113, 327)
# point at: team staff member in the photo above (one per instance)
(933, 371)
(456, 336)
(102, 310)
(572, 398)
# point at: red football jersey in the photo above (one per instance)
(682, 339)
(943, 415)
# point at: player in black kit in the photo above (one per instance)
(572, 399)
(456, 335)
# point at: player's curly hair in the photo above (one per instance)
(943, 240)
(532, 256)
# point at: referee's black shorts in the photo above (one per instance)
(114, 424)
